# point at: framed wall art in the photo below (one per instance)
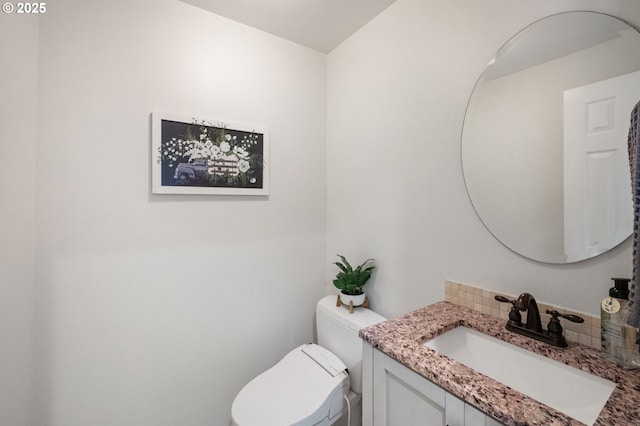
(191, 155)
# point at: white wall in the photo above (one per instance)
(18, 74)
(155, 310)
(397, 94)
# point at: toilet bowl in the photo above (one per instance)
(306, 387)
(314, 384)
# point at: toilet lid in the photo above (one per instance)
(298, 390)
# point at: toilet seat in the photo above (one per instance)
(306, 388)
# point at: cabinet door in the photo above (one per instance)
(475, 417)
(402, 397)
(397, 396)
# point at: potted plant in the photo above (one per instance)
(351, 280)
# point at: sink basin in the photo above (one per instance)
(573, 392)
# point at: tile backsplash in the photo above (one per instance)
(482, 300)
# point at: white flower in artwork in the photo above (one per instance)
(243, 166)
(252, 180)
(240, 152)
(225, 147)
(227, 137)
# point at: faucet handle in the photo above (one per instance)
(555, 328)
(504, 299)
(573, 318)
(515, 318)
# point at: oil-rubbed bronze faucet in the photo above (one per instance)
(526, 302)
(533, 327)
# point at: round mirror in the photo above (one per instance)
(544, 142)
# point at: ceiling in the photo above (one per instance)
(318, 24)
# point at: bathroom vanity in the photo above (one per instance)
(405, 382)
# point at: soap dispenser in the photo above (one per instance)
(618, 339)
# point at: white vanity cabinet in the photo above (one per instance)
(394, 395)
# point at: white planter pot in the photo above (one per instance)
(357, 300)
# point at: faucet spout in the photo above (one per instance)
(526, 302)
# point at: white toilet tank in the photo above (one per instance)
(338, 331)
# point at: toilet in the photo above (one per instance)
(314, 384)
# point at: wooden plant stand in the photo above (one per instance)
(350, 304)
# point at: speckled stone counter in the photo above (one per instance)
(402, 338)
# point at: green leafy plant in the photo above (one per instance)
(350, 280)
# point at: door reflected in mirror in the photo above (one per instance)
(544, 142)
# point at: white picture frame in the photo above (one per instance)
(203, 156)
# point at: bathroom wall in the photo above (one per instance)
(157, 309)
(18, 74)
(397, 92)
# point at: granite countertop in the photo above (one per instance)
(402, 339)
